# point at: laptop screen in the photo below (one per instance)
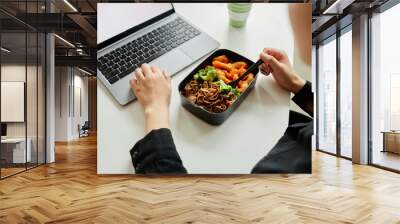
(116, 18)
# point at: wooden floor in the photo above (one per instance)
(8, 171)
(69, 191)
(387, 159)
(5, 172)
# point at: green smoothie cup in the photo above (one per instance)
(238, 13)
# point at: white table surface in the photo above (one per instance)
(19, 149)
(13, 140)
(241, 141)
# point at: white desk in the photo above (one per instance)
(19, 155)
(207, 149)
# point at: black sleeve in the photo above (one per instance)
(292, 153)
(156, 154)
(305, 99)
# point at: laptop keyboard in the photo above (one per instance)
(124, 60)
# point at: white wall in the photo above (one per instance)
(62, 80)
(79, 117)
(12, 73)
(70, 83)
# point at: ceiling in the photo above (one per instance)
(75, 21)
(329, 16)
(72, 20)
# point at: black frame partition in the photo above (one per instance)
(15, 56)
(338, 98)
(334, 37)
(318, 83)
(340, 30)
(28, 50)
(340, 79)
(380, 9)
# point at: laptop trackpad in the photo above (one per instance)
(172, 61)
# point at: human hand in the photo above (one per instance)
(277, 63)
(152, 88)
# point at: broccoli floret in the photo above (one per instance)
(223, 86)
(235, 91)
(206, 74)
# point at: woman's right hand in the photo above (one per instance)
(277, 63)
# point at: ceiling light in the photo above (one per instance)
(70, 5)
(5, 50)
(65, 41)
(331, 7)
(84, 71)
(79, 51)
(337, 7)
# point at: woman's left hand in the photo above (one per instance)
(152, 88)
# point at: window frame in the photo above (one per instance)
(378, 10)
(334, 37)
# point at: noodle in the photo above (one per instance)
(208, 96)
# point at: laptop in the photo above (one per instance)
(130, 34)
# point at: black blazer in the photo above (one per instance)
(156, 152)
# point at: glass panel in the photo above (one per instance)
(23, 81)
(13, 87)
(346, 94)
(385, 84)
(32, 89)
(327, 97)
(31, 98)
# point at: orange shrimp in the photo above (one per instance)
(241, 71)
(240, 64)
(235, 76)
(222, 75)
(242, 86)
(229, 75)
(248, 78)
(221, 58)
(234, 73)
(221, 65)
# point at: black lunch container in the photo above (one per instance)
(210, 117)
